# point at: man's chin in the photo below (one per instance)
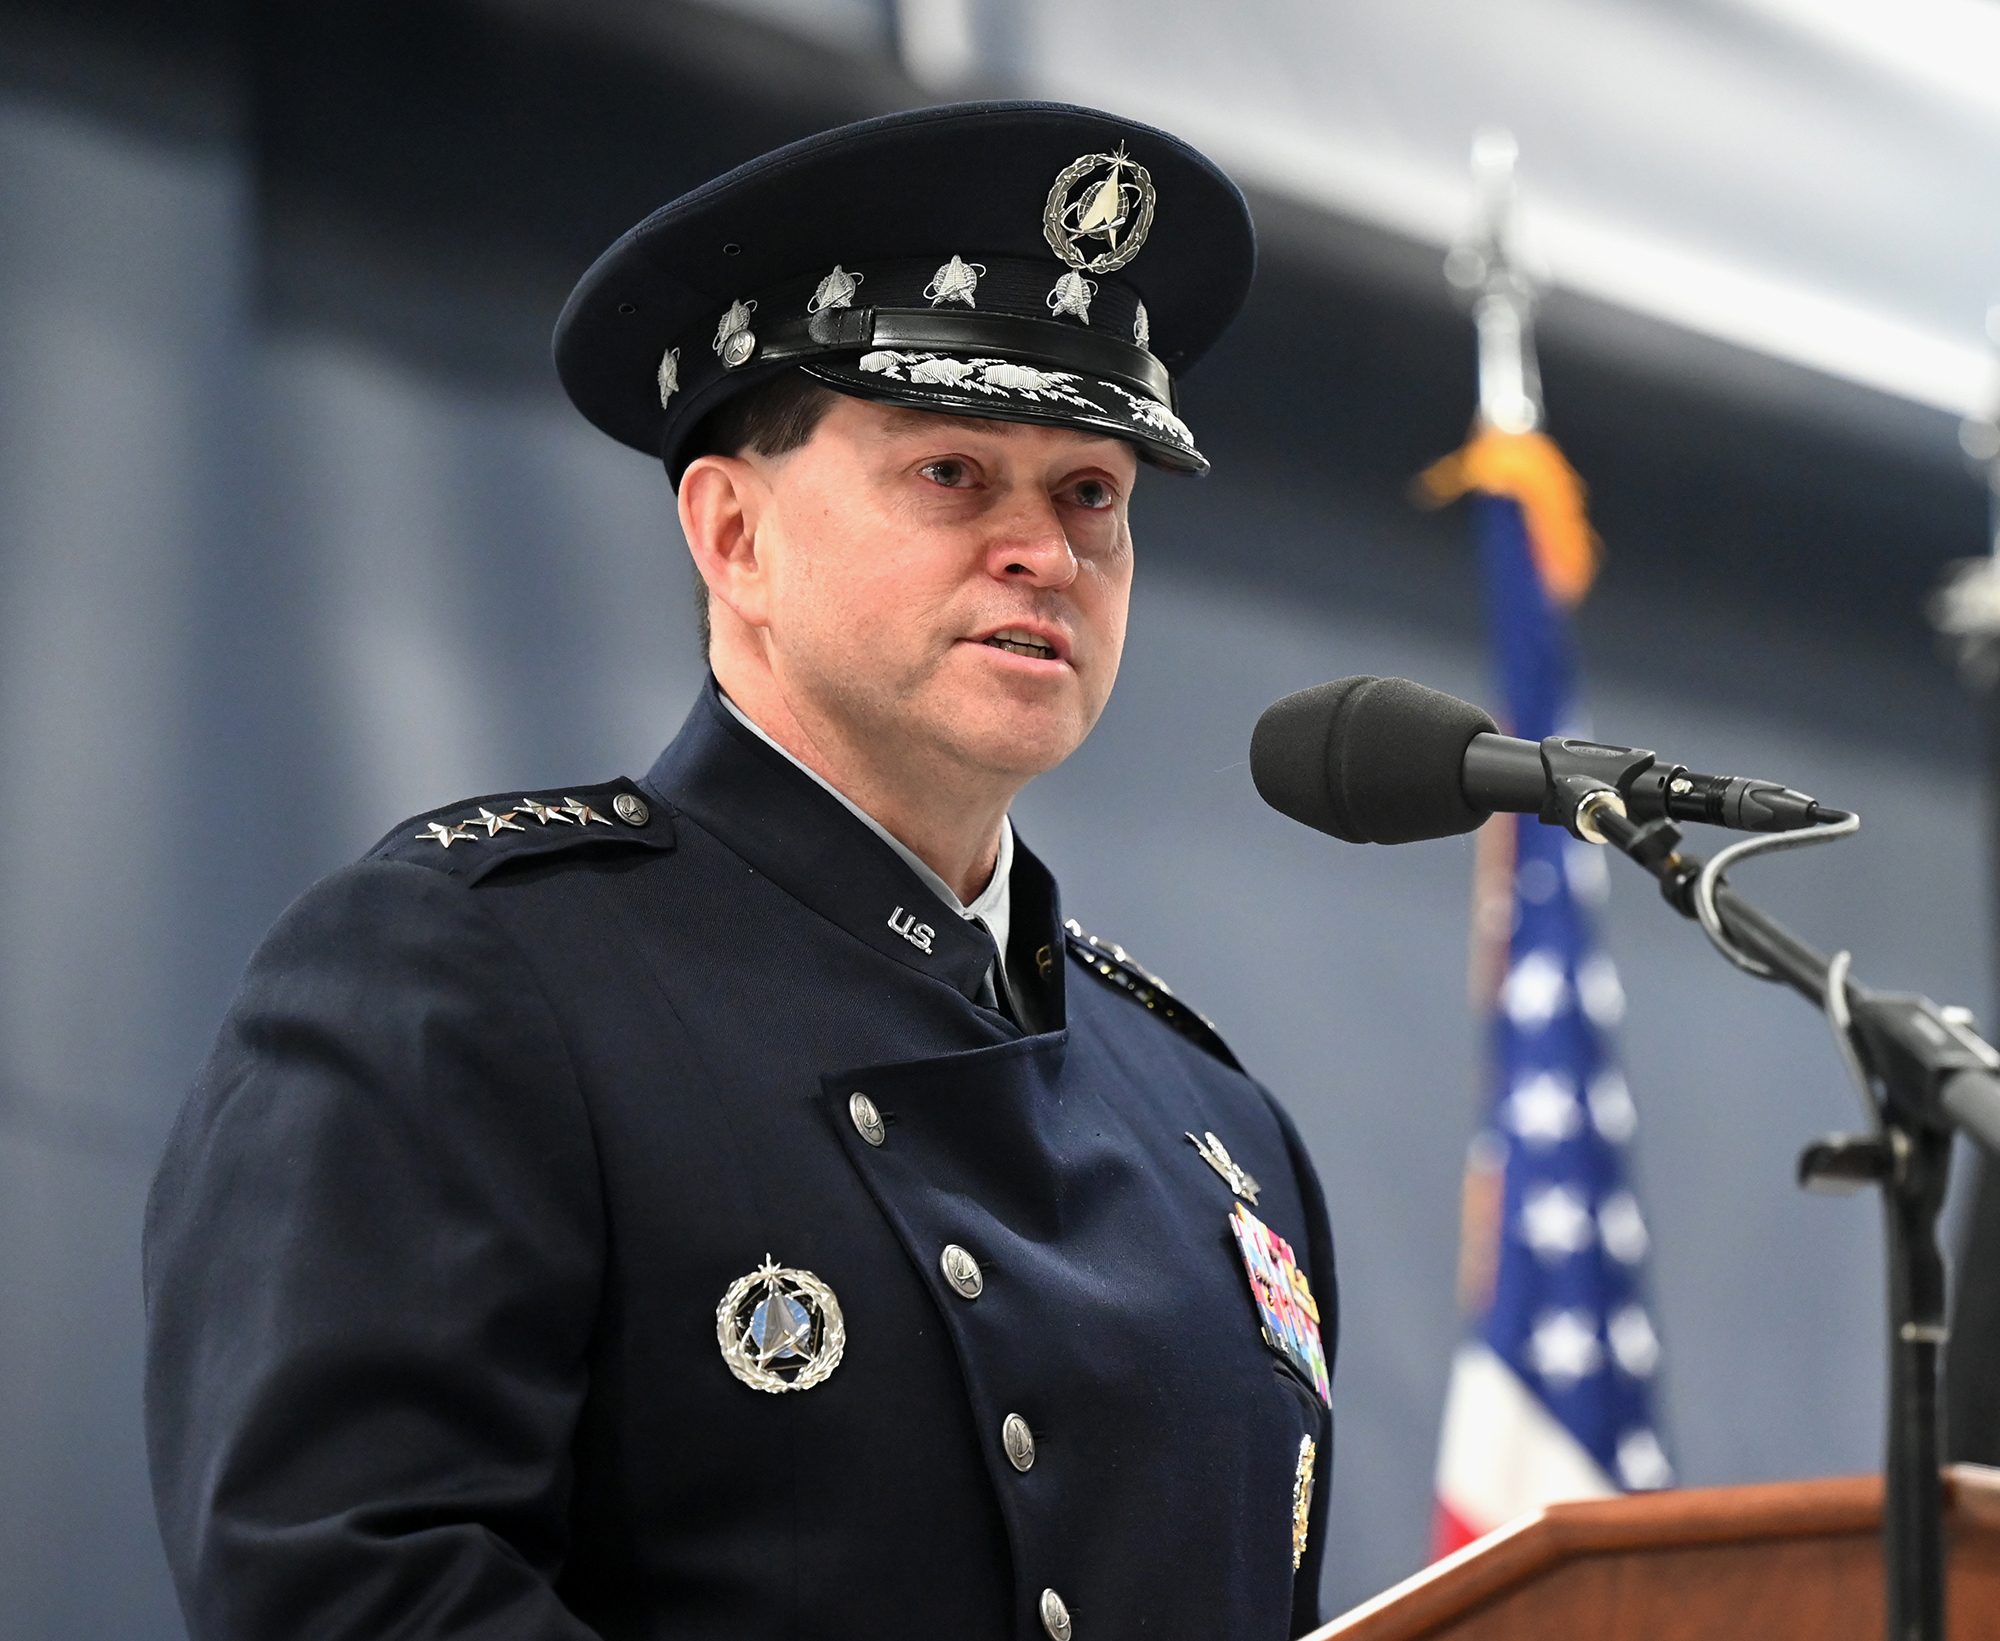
(1013, 739)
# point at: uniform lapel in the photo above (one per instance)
(798, 835)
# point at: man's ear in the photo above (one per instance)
(722, 501)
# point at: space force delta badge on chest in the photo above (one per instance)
(1285, 1305)
(780, 1329)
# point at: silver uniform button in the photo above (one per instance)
(961, 1270)
(867, 1120)
(1055, 1616)
(1019, 1442)
(631, 809)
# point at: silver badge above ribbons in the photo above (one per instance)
(1101, 203)
(780, 1329)
(1216, 1155)
(734, 341)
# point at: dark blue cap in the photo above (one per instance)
(1029, 262)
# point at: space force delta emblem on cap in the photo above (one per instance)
(1027, 262)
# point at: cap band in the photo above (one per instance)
(1045, 341)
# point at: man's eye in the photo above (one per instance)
(1094, 494)
(951, 474)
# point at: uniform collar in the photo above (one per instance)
(796, 832)
(992, 905)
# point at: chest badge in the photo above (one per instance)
(1285, 1307)
(1216, 1155)
(780, 1329)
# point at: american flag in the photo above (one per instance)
(1551, 1394)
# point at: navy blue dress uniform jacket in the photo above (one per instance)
(434, 1256)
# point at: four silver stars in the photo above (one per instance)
(569, 812)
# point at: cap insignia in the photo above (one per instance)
(955, 282)
(1142, 328)
(734, 340)
(1072, 295)
(836, 290)
(670, 375)
(1102, 203)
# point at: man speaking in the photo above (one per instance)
(733, 1202)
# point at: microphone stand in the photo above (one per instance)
(1924, 1073)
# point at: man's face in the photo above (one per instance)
(949, 588)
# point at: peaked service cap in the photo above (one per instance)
(1023, 261)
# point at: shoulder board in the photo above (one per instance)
(1114, 965)
(470, 840)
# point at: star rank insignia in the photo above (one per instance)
(1216, 1155)
(570, 812)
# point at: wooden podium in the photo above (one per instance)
(1776, 1561)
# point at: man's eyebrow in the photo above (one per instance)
(903, 418)
(907, 419)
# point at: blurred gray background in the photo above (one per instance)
(298, 536)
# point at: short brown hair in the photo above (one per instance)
(773, 418)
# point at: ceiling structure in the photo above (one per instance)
(1813, 180)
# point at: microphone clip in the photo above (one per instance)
(1585, 781)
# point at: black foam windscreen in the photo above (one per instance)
(1369, 760)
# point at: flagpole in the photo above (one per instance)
(1483, 266)
(1966, 611)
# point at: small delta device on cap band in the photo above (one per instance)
(1019, 261)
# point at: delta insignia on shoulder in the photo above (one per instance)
(1115, 966)
(468, 840)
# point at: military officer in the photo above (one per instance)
(735, 1202)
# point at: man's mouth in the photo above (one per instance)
(1017, 642)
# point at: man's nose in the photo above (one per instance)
(1030, 544)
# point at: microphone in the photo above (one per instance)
(1383, 760)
